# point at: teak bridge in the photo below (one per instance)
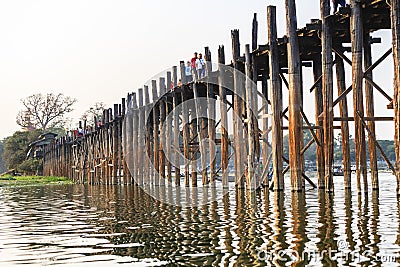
(142, 142)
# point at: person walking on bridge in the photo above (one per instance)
(336, 3)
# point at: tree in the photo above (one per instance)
(44, 111)
(95, 111)
(15, 149)
(2, 162)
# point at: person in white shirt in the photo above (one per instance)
(201, 66)
(188, 72)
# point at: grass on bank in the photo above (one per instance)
(9, 180)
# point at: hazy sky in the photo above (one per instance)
(98, 51)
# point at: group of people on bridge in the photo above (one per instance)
(195, 68)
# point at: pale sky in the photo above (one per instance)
(98, 51)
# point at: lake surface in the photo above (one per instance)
(76, 225)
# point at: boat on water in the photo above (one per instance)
(337, 171)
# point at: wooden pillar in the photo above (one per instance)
(141, 139)
(369, 110)
(327, 93)
(237, 114)
(224, 117)
(211, 119)
(295, 99)
(395, 15)
(115, 146)
(264, 136)
(128, 139)
(341, 84)
(161, 151)
(176, 111)
(185, 126)
(276, 100)
(250, 179)
(317, 71)
(135, 135)
(156, 119)
(254, 37)
(168, 130)
(147, 135)
(193, 132)
(357, 71)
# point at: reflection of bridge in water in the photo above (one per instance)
(164, 130)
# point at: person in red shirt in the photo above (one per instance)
(194, 69)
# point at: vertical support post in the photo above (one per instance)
(237, 114)
(254, 37)
(193, 132)
(128, 139)
(357, 71)
(395, 14)
(168, 129)
(211, 118)
(264, 136)
(147, 135)
(327, 93)
(135, 144)
(162, 142)
(369, 110)
(276, 100)
(156, 119)
(185, 126)
(250, 179)
(141, 139)
(115, 145)
(177, 150)
(341, 84)
(224, 117)
(317, 71)
(295, 99)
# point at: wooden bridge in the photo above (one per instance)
(158, 142)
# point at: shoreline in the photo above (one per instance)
(9, 180)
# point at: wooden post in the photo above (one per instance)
(177, 150)
(317, 71)
(295, 99)
(211, 119)
(128, 139)
(224, 117)
(369, 110)
(162, 142)
(327, 93)
(141, 139)
(156, 122)
(237, 116)
(250, 179)
(168, 134)
(135, 143)
(147, 135)
(341, 84)
(276, 100)
(254, 31)
(193, 132)
(115, 145)
(357, 71)
(395, 15)
(264, 136)
(185, 127)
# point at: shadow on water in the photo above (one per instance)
(114, 225)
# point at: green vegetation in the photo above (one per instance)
(2, 162)
(15, 149)
(9, 180)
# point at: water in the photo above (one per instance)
(64, 225)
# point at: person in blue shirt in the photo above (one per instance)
(336, 3)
